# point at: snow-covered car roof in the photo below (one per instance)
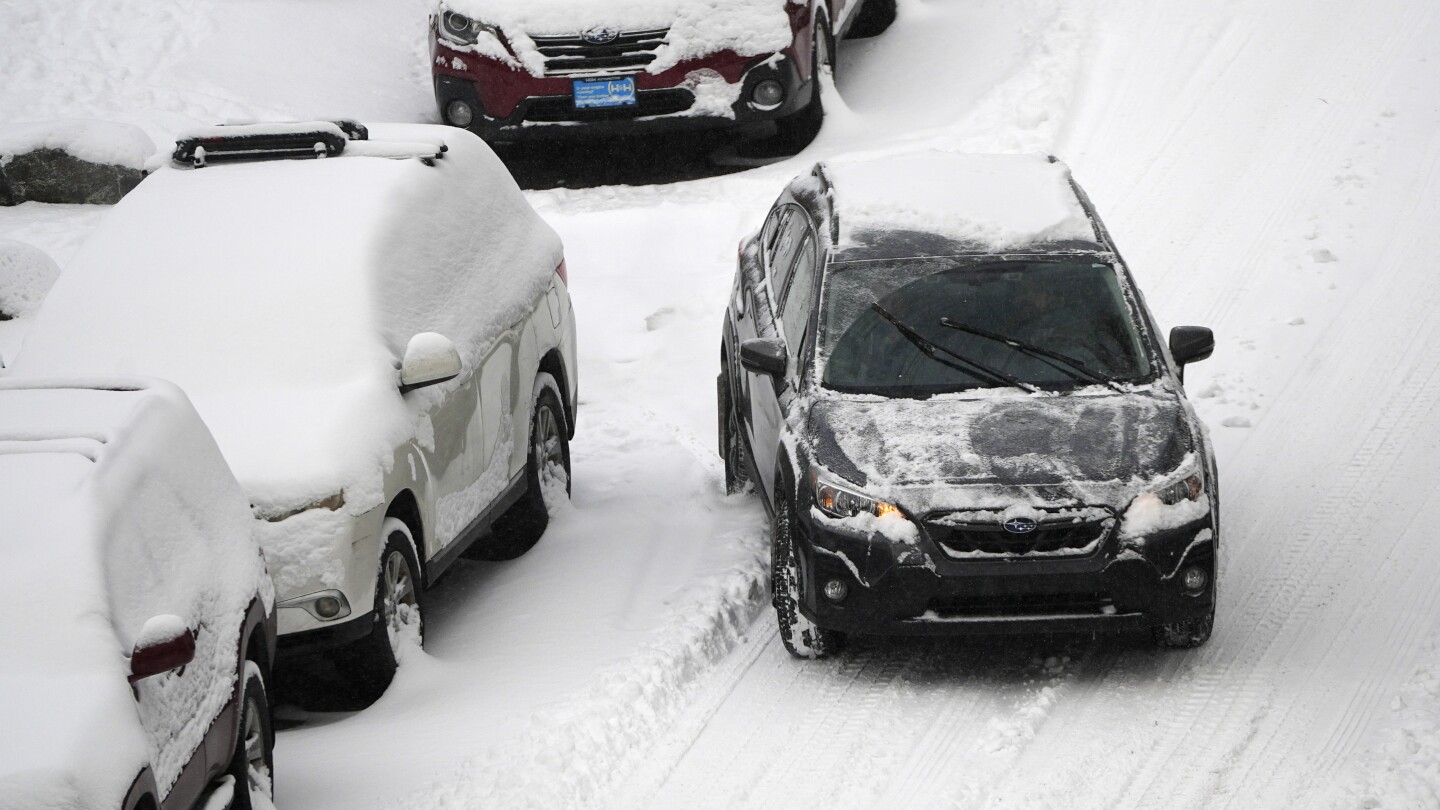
(113, 498)
(281, 295)
(984, 203)
(696, 27)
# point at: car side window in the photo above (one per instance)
(796, 311)
(774, 224)
(795, 226)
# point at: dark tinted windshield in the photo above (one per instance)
(1073, 310)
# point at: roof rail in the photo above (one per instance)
(820, 173)
(267, 142)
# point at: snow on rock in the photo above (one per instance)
(696, 27)
(993, 202)
(104, 142)
(26, 274)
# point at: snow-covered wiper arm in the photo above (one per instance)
(1067, 364)
(930, 349)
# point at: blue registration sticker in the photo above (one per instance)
(592, 93)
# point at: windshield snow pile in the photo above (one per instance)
(989, 202)
(696, 27)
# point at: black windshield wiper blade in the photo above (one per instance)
(929, 350)
(1069, 364)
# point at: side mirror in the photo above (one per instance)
(165, 644)
(429, 359)
(764, 356)
(1190, 344)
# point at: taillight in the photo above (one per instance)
(560, 271)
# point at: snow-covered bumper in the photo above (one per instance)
(723, 90)
(865, 582)
(323, 562)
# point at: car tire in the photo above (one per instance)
(370, 663)
(795, 131)
(874, 18)
(253, 764)
(802, 637)
(732, 450)
(547, 460)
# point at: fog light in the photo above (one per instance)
(768, 94)
(835, 590)
(1195, 578)
(327, 607)
(459, 113)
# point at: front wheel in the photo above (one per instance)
(547, 478)
(795, 132)
(737, 475)
(253, 762)
(802, 637)
(399, 620)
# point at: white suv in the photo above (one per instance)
(381, 341)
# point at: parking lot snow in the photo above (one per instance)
(1269, 171)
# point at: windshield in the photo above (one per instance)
(925, 326)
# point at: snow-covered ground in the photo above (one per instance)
(1269, 169)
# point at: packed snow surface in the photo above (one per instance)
(1269, 170)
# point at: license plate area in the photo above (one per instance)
(593, 94)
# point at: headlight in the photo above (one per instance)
(1188, 488)
(333, 503)
(456, 27)
(838, 500)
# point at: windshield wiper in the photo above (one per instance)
(929, 350)
(1067, 364)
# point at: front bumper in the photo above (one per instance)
(707, 93)
(1121, 585)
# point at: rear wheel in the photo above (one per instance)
(253, 763)
(802, 637)
(370, 663)
(547, 478)
(875, 16)
(737, 475)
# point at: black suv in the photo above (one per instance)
(941, 378)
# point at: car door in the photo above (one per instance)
(795, 241)
(454, 455)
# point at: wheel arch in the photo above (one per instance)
(554, 365)
(405, 508)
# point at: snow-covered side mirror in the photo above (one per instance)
(165, 644)
(430, 358)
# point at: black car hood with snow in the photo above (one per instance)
(1007, 441)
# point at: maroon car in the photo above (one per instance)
(507, 68)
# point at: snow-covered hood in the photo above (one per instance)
(696, 27)
(1106, 446)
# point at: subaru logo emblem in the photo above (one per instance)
(1019, 525)
(600, 35)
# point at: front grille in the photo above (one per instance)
(573, 56)
(1060, 533)
(647, 102)
(1039, 604)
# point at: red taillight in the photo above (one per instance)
(560, 271)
